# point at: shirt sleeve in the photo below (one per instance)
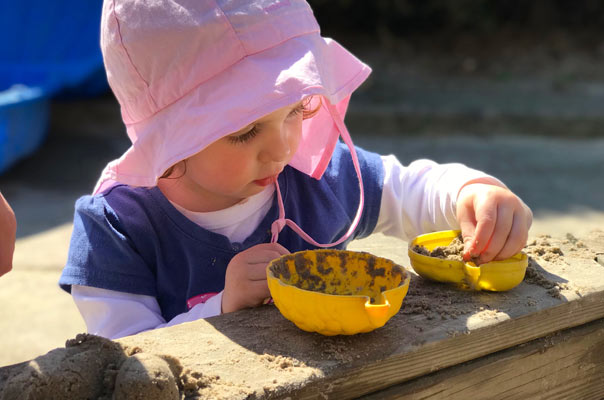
(422, 196)
(114, 314)
(102, 252)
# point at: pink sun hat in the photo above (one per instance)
(187, 73)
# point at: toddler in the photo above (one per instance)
(234, 110)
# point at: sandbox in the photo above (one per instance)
(544, 338)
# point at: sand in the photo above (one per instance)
(220, 358)
(454, 251)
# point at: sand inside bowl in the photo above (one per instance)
(454, 251)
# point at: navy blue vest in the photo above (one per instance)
(133, 240)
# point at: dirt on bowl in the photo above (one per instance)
(337, 292)
(351, 274)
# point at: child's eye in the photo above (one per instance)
(249, 135)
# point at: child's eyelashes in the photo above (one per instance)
(249, 135)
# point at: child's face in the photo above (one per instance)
(238, 165)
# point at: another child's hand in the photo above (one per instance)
(494, 222)
(245, 282)
(8, 229)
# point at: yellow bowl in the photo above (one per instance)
(495, 275)
(337, 292)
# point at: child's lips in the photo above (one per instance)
(266, 181)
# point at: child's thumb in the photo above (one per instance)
(279, 248)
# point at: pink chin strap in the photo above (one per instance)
(281, 222)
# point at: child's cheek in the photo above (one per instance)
(238, 167)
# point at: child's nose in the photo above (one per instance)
(276, 148)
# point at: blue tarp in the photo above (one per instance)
(47, 48)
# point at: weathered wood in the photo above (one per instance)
(565, 365)
(445, 353)
(453, 341)
(257, 353)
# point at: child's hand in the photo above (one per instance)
(245, 282)
(494, 222)
(8, 229)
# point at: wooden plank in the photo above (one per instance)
(257, 353)
(445, 353)
(573, 285)
(565, 365)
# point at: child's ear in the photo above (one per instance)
(307, 103)
(175, 171)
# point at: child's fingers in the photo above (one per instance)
(467, 233)
(275, 247)
(486, 217)
(280, 249)
(264, 253)
(257, 272)
(516, 239)
(503, 225)
(258, 290)
(262, 257)
(467, 224)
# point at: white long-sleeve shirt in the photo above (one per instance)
(417, 198)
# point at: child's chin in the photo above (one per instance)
(254, 190)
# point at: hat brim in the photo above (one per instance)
(251, 88)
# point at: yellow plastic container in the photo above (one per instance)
(495, 275)
(337, 292)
